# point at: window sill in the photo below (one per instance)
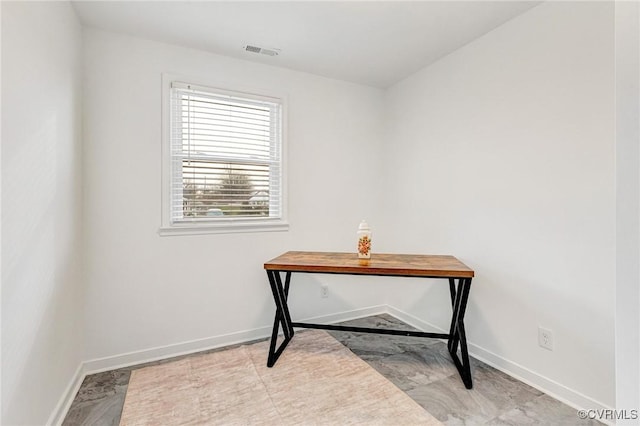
(221, 228)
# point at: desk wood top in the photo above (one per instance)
(414, 265)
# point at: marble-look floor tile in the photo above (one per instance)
(449, 401)
(366, 344)
(363, 344)
(100, 385)
(104, 412)
(100, 399)
(542, 410)
(410, 369)
(493, 393)
(379, 321)
(421, 367)
(505, 390)
(441, 348)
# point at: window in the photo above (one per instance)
(225, 161)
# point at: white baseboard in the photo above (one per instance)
(128, 359)
(414, 321)
(62, 407)
(562, 393)
(162, 352)
(552, 388)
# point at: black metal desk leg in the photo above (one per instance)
(278, 317)
(282, 316)
(285, 293)
(452, 290)
(452, 344)
(458, 334)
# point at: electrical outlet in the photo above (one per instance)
(324, 291)
(545, 338)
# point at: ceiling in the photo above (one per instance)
(376, 43)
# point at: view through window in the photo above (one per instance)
(226, 155)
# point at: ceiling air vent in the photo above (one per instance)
(262, 50)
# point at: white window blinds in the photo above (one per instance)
(225, 156)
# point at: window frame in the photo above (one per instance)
(218, 225)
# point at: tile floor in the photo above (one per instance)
(420, 367)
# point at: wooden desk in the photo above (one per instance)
(398, 265)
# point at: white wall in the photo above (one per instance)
(146, 291)
(41, 208)
(627, 31)
(0, 221)
(503, 154)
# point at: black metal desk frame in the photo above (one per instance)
(455, 337)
